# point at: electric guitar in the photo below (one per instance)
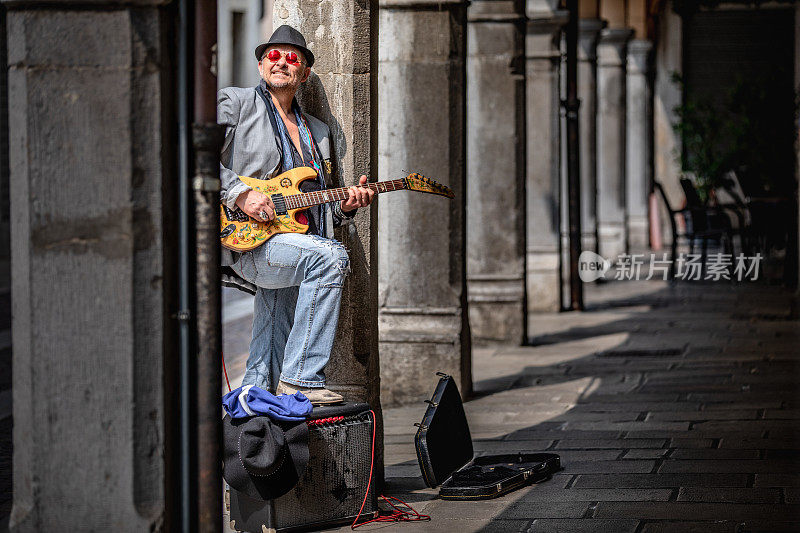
(241, 233)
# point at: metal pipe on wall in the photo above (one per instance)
(185, 460)
(572, 106)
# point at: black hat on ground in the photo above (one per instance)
(262, 458)
(286, 35)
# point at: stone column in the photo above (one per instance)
(5, 222)
(543, 168)
(496, 171)
(611, 53)
(667, 95)
(93, 255)
(235, 66)
(341, 92)
(422, 283)
(588, 34)
(638, 135)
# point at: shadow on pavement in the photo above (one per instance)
(674, 410)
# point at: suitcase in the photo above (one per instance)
(446, 457)
(333, 486)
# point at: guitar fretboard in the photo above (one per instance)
(307, 199)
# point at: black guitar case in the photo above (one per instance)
(446, 458)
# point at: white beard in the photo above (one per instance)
(279, 85)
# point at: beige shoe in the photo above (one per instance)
(318, 396)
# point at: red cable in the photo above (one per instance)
(225, 370)
(371, 465)
(397, 515)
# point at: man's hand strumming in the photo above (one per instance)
(257, 205)
(358, 196)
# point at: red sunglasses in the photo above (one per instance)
(292, 58)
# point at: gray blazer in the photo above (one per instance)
(250, 149)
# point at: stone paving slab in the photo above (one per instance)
(644, 454)
(782, 479)
(572, 444)
(610, 481)
(703, 416)
(691, 527)
(730, 495)
(725, 466)
(593, 495)
(559, 525)
(692, 442)
(716, 453)
(697, 511)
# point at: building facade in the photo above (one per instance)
(469, 94)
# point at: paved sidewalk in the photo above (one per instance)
(674, 409)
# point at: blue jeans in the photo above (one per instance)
(299, 280)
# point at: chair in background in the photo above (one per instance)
(731, 197)
(702, 223)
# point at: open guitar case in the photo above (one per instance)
(446, 457)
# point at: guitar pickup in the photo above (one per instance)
(280, 204)
(227, 230)
(235, 215)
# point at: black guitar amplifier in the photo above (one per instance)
(334, 484)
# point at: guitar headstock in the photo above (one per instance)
(417, 182)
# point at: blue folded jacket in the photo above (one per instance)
(252, 401)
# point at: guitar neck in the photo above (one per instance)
(307, 199)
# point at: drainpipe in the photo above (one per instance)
(572, 105)
(187, 502)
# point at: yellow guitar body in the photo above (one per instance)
(242, 233)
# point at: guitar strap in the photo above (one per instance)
(327, 212)
(262, 93)
(323, 167)
(326, 178)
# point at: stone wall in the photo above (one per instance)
(93, 187)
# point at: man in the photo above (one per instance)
(297, 279)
